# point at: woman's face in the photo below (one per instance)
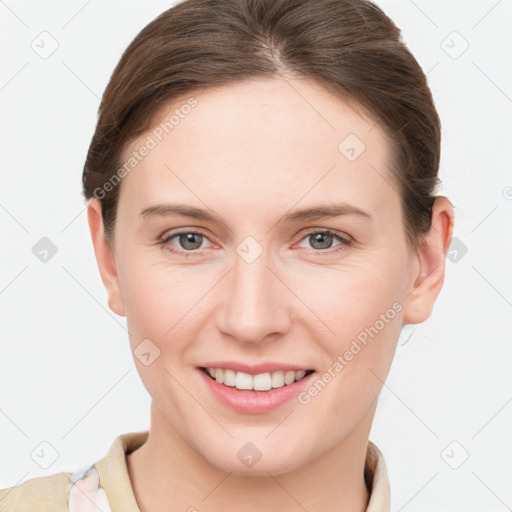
(259, 287)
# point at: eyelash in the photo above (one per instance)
(345, 241)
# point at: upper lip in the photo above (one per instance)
(254, 369)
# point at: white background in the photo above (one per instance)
(66, 374)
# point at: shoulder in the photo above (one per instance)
(44, 494)
(377, 480)
(91, 484)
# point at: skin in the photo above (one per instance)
(252, 152)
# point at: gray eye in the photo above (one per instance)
(190, 240)
(323, 240)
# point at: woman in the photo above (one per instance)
(261, 200)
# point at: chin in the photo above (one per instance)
(261, 468)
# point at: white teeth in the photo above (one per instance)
(262, 382)
(243, 380)
(259, 382)
(229, 377)
(289, 377)
(300, 374)
(278, 379)
(218, 375)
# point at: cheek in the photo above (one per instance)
(362, 310)
(161, 304)
(351, 300)
(164, 303)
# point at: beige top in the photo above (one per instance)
(106, 484)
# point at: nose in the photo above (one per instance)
(255, 302)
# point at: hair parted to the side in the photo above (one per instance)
(350, 47)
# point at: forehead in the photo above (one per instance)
(284, 140)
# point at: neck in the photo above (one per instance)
(167, 474)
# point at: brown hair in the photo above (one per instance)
(350, 47)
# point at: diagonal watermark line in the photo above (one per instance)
(14, 486)
(76, 14)
(14, 423)
(279, 424)
(492, 81)
(13, 13)
(492, 418)
(187, 186)
(433, 67)
(118, 381)
(14, 218)
(71, 71)
(13, 279)
(86, 495)
(301, 300)
(502, 296)
(286, 491)
(407, 502)
(73, 219)
(403, 402)
(485, 15)
(14, 76)
(508, 508)
(425, 14)
(305, 194)
(94, 298)
(492, 211)
(400, 129)
(373, 126)
(216, 487)
(193, 306)
(197, 401)
(386, 180)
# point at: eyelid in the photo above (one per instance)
(345, 239)
(168, 235)
(311, 231)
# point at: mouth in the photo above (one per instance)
(260, 382)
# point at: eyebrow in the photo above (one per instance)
(325, 211)
(311, 213)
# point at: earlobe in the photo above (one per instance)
(431, 255)
(104, 257)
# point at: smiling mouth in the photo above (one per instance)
(260, 382)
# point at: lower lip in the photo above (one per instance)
(255, 402)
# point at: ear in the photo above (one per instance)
(431, 259)
(104, 257)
